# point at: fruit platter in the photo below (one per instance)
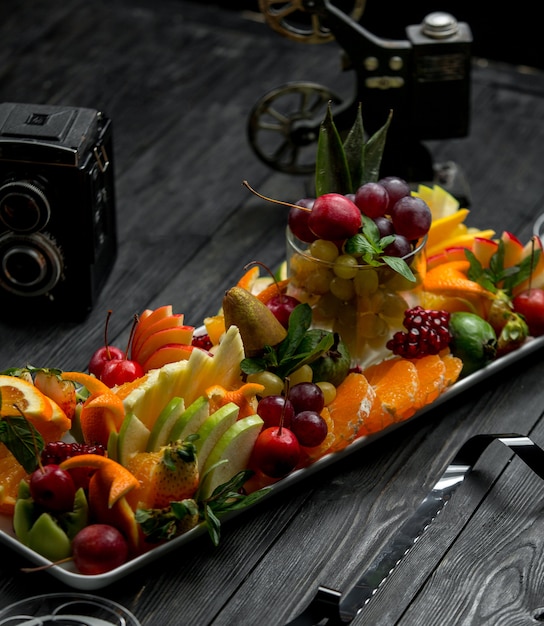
(388, 304)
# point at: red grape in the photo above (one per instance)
(309, 428)
(396, 189)
(270, 409)
(372, 199)
(385, 226)
(306, 397)
(411, 217)
(401, 247)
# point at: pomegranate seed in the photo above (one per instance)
(427, 332)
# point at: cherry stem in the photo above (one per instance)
(280, 294)
(284, 407)
(135, 322)
(260, 195)
(40, 568)
(106, 325)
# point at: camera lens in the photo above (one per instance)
(24, 207)
(30, 265)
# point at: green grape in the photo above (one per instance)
(273, 384)
(329, 391)
(342, 288)
(345, 266)
(324, 250)
(366, 281)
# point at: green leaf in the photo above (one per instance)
(331, 170)
(22, 440)
(374, 152)
(400, 266)
(354, 148)
(288, 366)
(300, 321)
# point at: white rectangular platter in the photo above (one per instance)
(67, 574)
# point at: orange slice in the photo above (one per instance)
(91, 383)
(108, 487)
(396, 383)
(350, 409)
(245, 397)
(101, 415)
(118, 479)
(215, 327)
(273, 290)
(248, 279)
(18, 395)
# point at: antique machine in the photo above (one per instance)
(424, 79)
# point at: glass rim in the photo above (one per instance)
(295, 242)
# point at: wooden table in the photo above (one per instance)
(178, 80)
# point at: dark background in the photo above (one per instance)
(510, 33)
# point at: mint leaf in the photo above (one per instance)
(400, 266)
(22, 439)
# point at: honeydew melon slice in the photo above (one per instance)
(162, 427)
(212, 429)
(230, 454)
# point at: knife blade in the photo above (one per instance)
(332, 608)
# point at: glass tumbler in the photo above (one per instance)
(364, 304)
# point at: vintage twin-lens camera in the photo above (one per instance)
(57, 210)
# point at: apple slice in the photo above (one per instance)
(212, 430)
(160, 432)
(190, 420)
(170, 353)
(179, 334)
(483, 249)
(133, 438)
(513, 249)
(231, 454)
(536, 280)
(455, 253)
(171, 321)
(147, 320)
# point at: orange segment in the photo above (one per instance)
(245, 397)
(350, 409)
(11, 474)
(431, 372)
(124, 390)
(396, 383)
(215, 327)
(101, 415)
(453, 366)
(143, 465)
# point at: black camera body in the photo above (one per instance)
(58, 239)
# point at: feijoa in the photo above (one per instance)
(334, 365)
(473, 340)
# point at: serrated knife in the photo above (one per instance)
(332, 608)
